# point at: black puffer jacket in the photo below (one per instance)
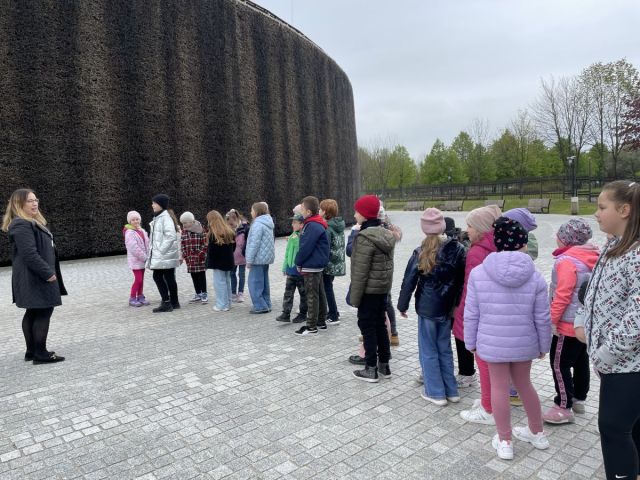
(438, 292)
(371, 262)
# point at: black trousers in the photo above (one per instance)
(166, 283)
(316, 299)
(293, 282)
(375, 337)
(466, 361)
(391, 312)
(35, 327)
(619, 424)
(569, 353)
(199, 280)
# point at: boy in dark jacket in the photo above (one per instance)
(311, 260)
(371, 279)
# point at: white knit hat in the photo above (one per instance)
(187, 217)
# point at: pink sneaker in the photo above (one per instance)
(240, 297)
(558, 415)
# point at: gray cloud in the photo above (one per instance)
(423, 70)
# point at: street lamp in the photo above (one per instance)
(572, 171)
(450, 190)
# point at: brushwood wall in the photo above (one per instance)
(105, 103)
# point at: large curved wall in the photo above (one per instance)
(104, 103)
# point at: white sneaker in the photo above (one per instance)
(539, 440)
(579, 406)
(465, 381)
(455, 399)
(218, 309)
(441, 403)
(477, 414)
(240, 298)
(420, 379)
(503, 447)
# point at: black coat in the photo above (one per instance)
(438, 292)
(34, 260)
(220, 257)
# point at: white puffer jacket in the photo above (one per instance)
(164, 249)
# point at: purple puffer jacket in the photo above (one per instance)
(506, 316)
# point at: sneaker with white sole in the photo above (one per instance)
(204, 298)
(538, 440)
(557, 415)
(477, 414)
(218, 309)
(579, 406)
(304, 330)
(441, 402)
(196, 299)
(420, 379)
(465, 381)
(454, 399)
(504, 448)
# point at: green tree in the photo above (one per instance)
(403, 169)
(441, 166)
(504, 154)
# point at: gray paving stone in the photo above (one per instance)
(194, 394)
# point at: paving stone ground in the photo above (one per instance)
(199, 394)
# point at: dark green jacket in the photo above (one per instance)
(371, 263)
(336, 265)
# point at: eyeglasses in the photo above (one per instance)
(33, 200)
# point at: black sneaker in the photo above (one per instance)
(164, 307)
(176, 306)
(322, 326)
(331, 321)
(52, 358)
(301, 317)
(384, 370)
(306, 331)
(356, 360)
(284, 317)
(369, 374)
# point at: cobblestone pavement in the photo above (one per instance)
(200, 394)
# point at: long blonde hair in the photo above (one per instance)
(427, 259)
(15, 209)
(219, 231)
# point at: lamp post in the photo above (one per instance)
(450, 190)
(572, 171)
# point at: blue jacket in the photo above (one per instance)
(314, 245)
(261, 248)
(438, 292)
(352, 237)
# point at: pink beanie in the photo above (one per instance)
(131, 215)
(432, 222)
(482, 218)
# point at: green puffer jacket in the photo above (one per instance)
(371, 263)
(336, 265)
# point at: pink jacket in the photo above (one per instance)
(137, 243)
(238, 258)
(476, 255)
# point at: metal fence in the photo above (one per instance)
(586, 188)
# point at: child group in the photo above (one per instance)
(502, 313)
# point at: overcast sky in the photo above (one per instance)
(423, 69)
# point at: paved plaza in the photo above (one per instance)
(200, 394)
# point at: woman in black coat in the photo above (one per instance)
(36, 280)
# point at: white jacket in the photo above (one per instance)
(164, 243)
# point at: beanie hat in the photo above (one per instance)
(432, 222)
(187, 217)
(297, 210)
(368, 206)
(524, 217)
(482, 218)
(574, 232)
(509, 235)
(297, 218)
(162, 200)
(131, 215)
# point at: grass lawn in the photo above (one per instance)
(558, 205)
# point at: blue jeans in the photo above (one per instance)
(237, 283)
(436, 357)
(222, 287)
(259, 288)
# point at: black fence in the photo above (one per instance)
(586, 188)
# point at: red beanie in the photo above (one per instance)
(368, 206)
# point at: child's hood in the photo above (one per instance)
(587, 254)
(128, 226)
(196, 227)
(316, 219)
(265, 220)
(510, 269)
(382, 238)
(336, 224)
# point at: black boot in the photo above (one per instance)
(164, 307)
(176, 305)
(284, 317)
(51, 358)
(383, 370)
(369, 374)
